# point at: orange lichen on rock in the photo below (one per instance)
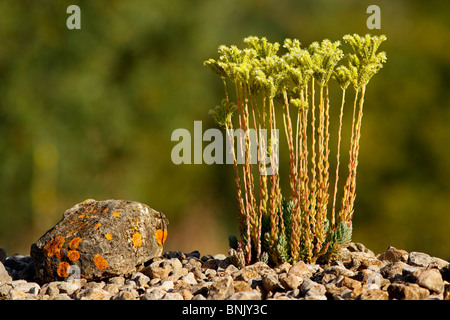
(82, 226)
(74, 243)
(100, 262)
(63, 269)
(81, 216)
(115, 214)
(161, 236)
(97, 226)
(53, 247)
(108, 236)
(137, 239)
(105, 210)
(73, 255)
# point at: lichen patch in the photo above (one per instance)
(161, 236)
(137, 239)
(73, 255)
(53, 247)
(101, 263)
(74, 243)
(63, 269)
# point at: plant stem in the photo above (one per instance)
(333, 212)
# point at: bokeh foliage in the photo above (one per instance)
(89, 114)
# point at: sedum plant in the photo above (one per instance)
(293, 88)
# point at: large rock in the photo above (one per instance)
(100, 239)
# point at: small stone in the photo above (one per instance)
(202, 288)
(314, 268)
(282, 296)
(93, 294)
(51, 289)
(350, 283)
(363, 260)
(253, 271)
(359, 247)
(4, 291)
(167, 285)
(300, 269)
(16, 283)
(327, 277)
(240, 286)
(4, 275)
(337, 293)
(210, 264)
(28, 287)
(282, 268)
(19, 295)
(315, 297)
(153, 294)
(312, 288)
(102, 239)
(210, 273)
(69, 288)
(158, 269)
(270, 281)
(231, 270)
(62, 296)
(435, 296)
(186, 294)
(393, 270)
(127, 295)
(112, 288)
(193, 265)
(221, 288)
(172, 296)
(421, 259)
(189, 279)
(430, 279)
(140, 279)
(408, 291)
(95, 285)
(394, 255)
(441, 263)
(246, 295)
(291, 282)
(177, 274)
(174, 254)
(198, 297)
(194, 254)
(446, 295)
(374, 294)
(117, 280)
(338, 270)
(408, 271)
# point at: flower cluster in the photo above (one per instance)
(305, 227)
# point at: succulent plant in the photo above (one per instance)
(304, 227)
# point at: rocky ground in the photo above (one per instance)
(359, 274)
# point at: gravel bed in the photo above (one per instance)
(359, 274)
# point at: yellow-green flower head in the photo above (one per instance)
(324, 57)
(364, 62)
(342, 75)
(262, 47)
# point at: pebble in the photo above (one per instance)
(359, 274)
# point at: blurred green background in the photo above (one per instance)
(89, 113)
